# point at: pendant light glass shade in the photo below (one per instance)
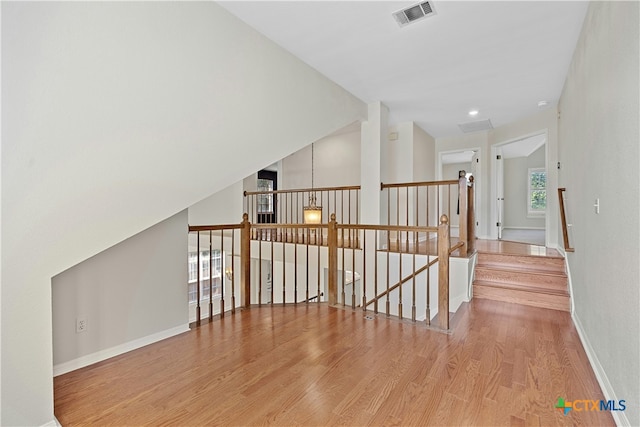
(312, 212)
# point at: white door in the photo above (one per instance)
(500, 191)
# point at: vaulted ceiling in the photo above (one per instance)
(501, 58)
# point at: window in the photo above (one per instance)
(537, 184)
(265, 201)
(215, 261)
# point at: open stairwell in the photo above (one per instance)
(537, 278)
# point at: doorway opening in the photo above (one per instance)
(519, 206)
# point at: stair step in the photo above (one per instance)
(521, 296)
(521, 276)
(521, 287)
(537, 263)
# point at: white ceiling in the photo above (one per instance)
(523, 147)
(498, 57)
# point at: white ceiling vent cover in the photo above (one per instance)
(414, 13)
(476, 126)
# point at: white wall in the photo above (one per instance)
(116, 116)
(336, 163)
(598, 133)
(223, 207)
(516, 190)
(127, 292)
(424, 155)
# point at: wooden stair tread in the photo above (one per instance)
(518, 296)
(520, 287)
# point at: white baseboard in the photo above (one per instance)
(98, 356)
(53, 423)
(522, 228)
(619, 417)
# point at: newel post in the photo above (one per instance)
(443, 273)
(332, 241)
(463, 222)
(245, 261)
(471, 217)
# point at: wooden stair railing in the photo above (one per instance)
(419, 203)
(287, 205)
(563, 217)
(338, 259)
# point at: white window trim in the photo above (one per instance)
(534, 213)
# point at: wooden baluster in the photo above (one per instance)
(375, 270)
(198, 277)
(342, 294)
(260, 270)
(349, 219)
(333, 261)
(463, 221)
(223, 273)
(284, 272)
(407, 223)
(233, 271)
(245, 261)
(307, 264)
(398, 240)
(471, 217)
(353, 278)
(295, 269)
(443, 273)
(413, 293)
(388, 304)
(400, 281)
(364, 269)
(271, 272)
(318, 244)
(210, 275)
(428, 299)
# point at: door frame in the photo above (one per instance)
(493, 208)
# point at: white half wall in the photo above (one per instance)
(599, 153)
(116, 116)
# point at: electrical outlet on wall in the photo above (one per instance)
(81, 324)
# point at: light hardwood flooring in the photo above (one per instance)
(503, 364)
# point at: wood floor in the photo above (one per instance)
(503, 364)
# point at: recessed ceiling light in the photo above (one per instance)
(542, 104)
(473, 113)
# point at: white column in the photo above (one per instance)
(373, 143)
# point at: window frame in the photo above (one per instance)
(536, 213)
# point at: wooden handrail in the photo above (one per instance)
(303, 190)
(215, 227)
(563, 217)
(455, 247)
(418, 184)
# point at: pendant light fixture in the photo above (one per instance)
(312, 212)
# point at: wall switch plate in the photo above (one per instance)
(597, 206)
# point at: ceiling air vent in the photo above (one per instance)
(476, 126)
(414, 13)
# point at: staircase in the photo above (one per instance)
(534, 280)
